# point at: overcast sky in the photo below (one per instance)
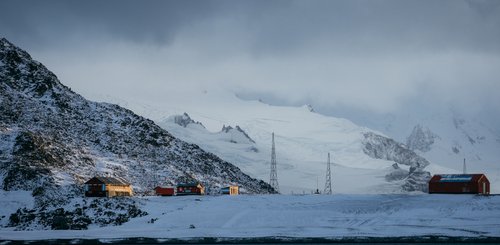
(372, 55)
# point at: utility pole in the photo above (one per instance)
(328, 183)
(274, 173)
(317, 186)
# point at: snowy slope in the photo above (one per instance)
(303, 139)
(52, 140)
(326, 216)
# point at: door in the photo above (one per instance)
(484, 188)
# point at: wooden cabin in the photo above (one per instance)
(459, 184)
(190, 189)
(164, 191)
(230, 190)
(107, 187)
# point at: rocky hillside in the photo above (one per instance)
(51, 136)
(381, 147)
(421, 139)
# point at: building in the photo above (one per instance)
(107, 187)
(190, 189)
(164, 191)
(230, 190)
(459, 184)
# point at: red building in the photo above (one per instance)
(190, 189)
(459, 184)
(164, 191)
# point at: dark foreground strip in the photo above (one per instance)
(270, 240)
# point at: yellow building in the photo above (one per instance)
(230, 190)
(107, 187)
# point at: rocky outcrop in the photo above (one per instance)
(381, 147)
(237, 133)
(421, 139)
(184, 120)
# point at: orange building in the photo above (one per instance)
(107, 187)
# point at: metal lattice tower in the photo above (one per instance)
(328, 183)
(274, 173)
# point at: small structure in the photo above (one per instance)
(459, 184)
(230, 190)
(107, 187)
(190, 189)
(164, 191)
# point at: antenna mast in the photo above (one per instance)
(274, 173)
(328, 183)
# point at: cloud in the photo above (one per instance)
(373, 55)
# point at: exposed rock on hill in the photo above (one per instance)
(52, 139)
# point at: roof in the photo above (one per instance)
(163, 187)
(456, 178)
(188, 184)
(108, 180)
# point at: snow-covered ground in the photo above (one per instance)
(10, 201)
(299, 216)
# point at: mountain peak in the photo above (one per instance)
(23, 74)
(229, 130)
(4, 42)
(310, 108)
(184, 120)
(14, 52)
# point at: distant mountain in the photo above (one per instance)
(450, 138)
(444, 134)
(363, 159)
(53, 139)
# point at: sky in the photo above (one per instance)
(376, 56)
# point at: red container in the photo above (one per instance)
(459, 184)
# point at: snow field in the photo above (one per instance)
(299, 216)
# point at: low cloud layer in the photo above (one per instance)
(372, 55)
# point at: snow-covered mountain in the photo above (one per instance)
(52, 140)
(449, 138)
(443, 135)
(362, 158)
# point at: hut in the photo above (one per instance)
(459, 184)
(230, 190)
(107, 187)
(190, 189)
(164, 191)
